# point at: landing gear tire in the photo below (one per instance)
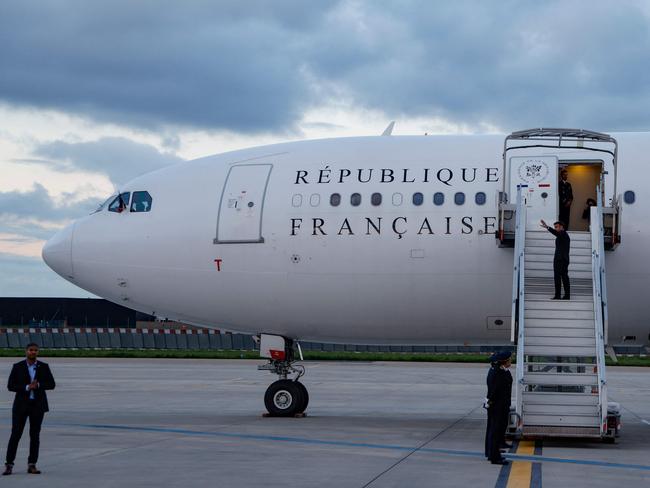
(285, 398)
(305, 397)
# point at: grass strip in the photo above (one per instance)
(308, 355)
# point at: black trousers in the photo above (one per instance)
(497, 432)
(18, 421)
(561, 277)
(565, 215)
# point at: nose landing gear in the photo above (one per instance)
(285, 397)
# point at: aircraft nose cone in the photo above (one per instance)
(57, 252)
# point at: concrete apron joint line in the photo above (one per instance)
(322, 442)
(421, 446)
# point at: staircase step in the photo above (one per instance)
(582, 410)
(561, 431)
(550, 251)
(543, 297)
(565, 324)
(559, 399)
(548, 273)
(559, 314)
(574, 235)
(559, 351)
(566, 305)
(559, 331)
(548, 258)
(563, 342)
(548, 266)
(561, 420)
(561, 379)
(536, 242)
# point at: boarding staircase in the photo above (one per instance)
(561, 389)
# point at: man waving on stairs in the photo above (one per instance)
(560, 260)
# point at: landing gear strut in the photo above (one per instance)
(285, 397)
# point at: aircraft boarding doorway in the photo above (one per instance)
(584, 178)
(242, 204)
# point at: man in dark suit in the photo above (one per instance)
(29, 379)
(560, 259)
(499, 394)
(566, 199)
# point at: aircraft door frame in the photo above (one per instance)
(241, 206)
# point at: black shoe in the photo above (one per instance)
(566, 297)
(8, 469)
(503, 462)
(556, 298)
(32, 469)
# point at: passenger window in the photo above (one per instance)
(335, 199)
(296, 201)
(397, 199)
(480, 198)
(629, 197)
(418, 198)
(355, 199)
(141, 201)
(459, 198)
(375, 199)
(314, 200)
(438, 198)
(121, 203)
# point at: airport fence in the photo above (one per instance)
(208, 339)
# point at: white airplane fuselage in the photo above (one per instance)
(278, 257)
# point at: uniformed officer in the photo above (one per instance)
(566, 198)
(494, 364)
(561, 259)
(499, 406)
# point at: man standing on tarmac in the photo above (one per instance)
(28, 379)
(498, 400)
(560, 260)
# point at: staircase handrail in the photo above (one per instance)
(600, 302)
(518, 296)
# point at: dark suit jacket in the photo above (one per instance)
(19, 379)
(501, 390)
(562, 245)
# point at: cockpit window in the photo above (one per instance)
(103, 205)
(141, 201)
(121, 203)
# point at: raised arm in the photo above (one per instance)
(548, 228)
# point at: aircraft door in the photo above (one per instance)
(537, 177)
(242, 204)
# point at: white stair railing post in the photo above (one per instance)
(600, 300)
(518, 286)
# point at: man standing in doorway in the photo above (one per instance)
(566, 199)
(560, 259)
(28, 379)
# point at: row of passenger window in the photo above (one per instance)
(376, 199)
(140, 202)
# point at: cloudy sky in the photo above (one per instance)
(95, 93)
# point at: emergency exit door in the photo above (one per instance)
(537, 178)
(242, 204)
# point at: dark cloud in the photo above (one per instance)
(37, 204)
(257, 65)
(119, 158)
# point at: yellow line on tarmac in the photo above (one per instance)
(521, 471)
